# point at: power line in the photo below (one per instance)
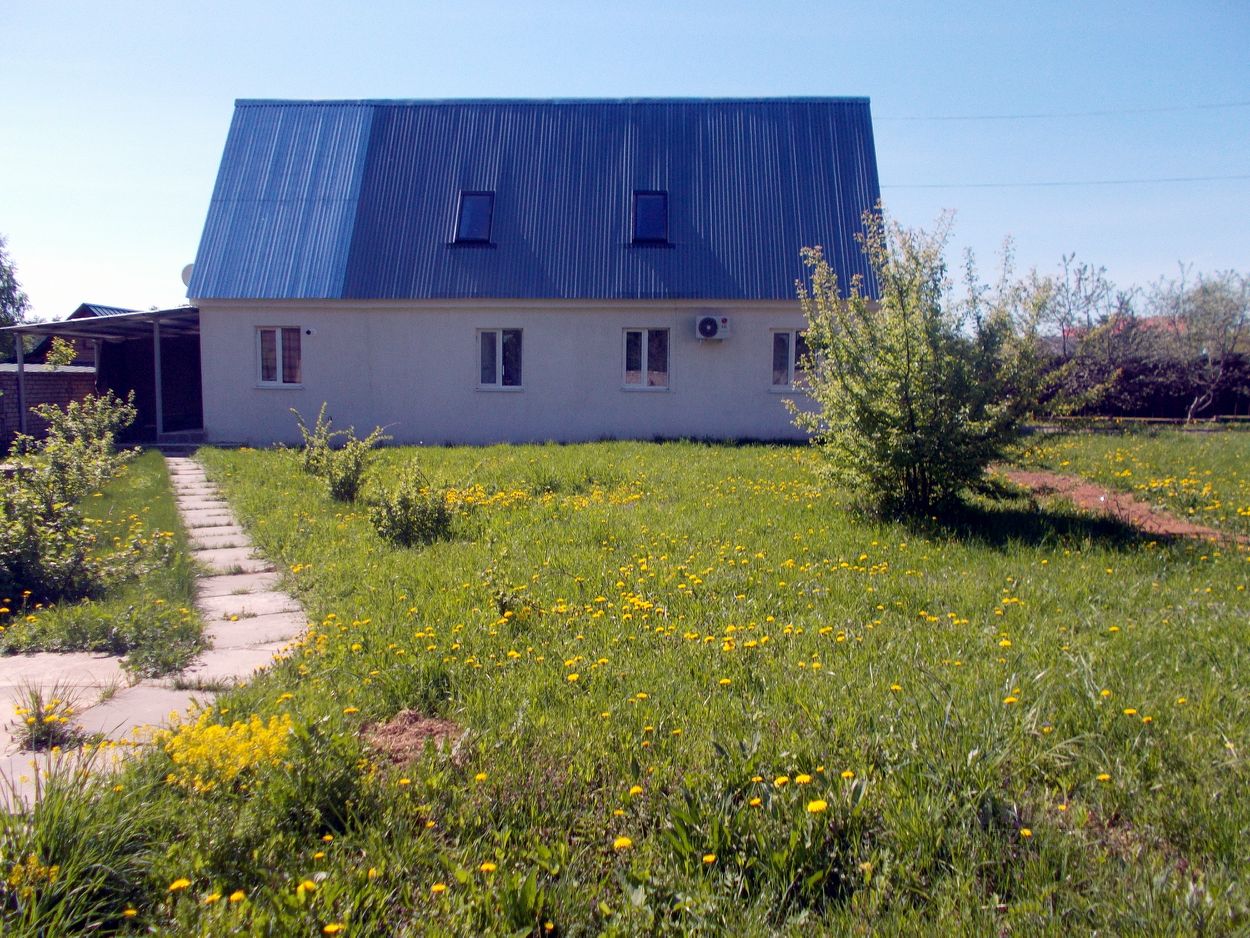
(1048, 115)
(1065, 182)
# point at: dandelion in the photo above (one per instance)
(351, 710)
(487, 867)
(238, 896)
(179, 884)
(635, 791)
(480, 777)
(818, 806)
(1011, 700)
(622, 843)
(1130, 711)
(210, 899)
(573, 678)
(896, 687)
(334, 928)
(781, 781)
(802, 779)
(1025, 832)
(755, 802)
(403, 782)
(438, 888)
(709, 858)
(848, 774)
(724, 682)
(130, 912)
(1104, 777)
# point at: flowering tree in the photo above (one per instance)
(916, 391)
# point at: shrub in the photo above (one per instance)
(343, 468)
(914, 390)
(412, 513)
(46, 547)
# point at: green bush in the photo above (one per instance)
(916, 392)
(343, 468)
(47, 549)
(412, 513)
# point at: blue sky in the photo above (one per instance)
(116, 113)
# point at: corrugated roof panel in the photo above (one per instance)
(362, 203)
(284, 207)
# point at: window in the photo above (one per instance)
(646, 358)
(500, 358)
(278, 356)
(473, 222)
(789, 354)
(651, 216)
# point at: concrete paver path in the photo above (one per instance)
(247, 620)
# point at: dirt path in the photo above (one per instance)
(1090, 496)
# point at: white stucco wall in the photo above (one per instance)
(414, 368)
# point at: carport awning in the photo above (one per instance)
(182, 320)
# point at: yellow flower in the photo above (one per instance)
(405, 781)
(480, 777)
(438, 888)
(1104, 777)
(334, 928)
(622, 843)
(238, 895)
(306, 886)
(1010, 700)
(488, 867)
(725, 682)
(179, 884)
(848, 774)
(351, 710)
(1130, 711)
(781, 781)
(1025, 832)
(802, 779)
(755, 802)
(635, 790)
(818, 806)
(130, 913)
(573, 678)
(709, 858)
(209, 900)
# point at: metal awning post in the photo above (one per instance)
(156, 367)
(20, 346)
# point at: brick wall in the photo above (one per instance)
(42, 387)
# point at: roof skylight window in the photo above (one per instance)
(473, 222)
(651, 216)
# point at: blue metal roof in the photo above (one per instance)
(358, 199)
(95, 309)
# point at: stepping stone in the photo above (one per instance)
(236, 584)
(232, 560)
(214, 540)
(231, 665)
(206, 518)
(200, 502)
(248, 605)
(133, 713)
(47, 669)
(257, 630)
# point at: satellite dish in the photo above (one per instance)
(186, 275)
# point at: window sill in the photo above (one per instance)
(501, 388)
(279, 387)
(643, 389)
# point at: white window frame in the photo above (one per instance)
(668, 365)
(792, 371)
(279, 370)
(498, 384)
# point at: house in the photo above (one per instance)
(516, 270)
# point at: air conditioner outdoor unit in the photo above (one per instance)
(711, 327)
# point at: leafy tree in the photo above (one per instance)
(13, 302)
(916, 391)
(1207, 320)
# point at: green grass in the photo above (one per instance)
(150, 617)
(1018, 721)
(1203, 476)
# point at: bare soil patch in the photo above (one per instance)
(403, 738)
(1094, 498)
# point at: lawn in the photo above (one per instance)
(148, 617)
(687, 691)
(1200, 475)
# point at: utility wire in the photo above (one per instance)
(1056, 183)
(1058, 114)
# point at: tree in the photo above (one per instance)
(916, 392)
(13, 302)
(1207, 320)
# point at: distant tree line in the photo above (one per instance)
(1178, 349)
